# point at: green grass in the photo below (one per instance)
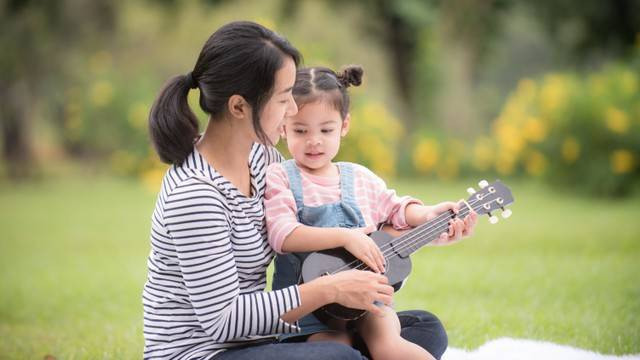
(562, 268)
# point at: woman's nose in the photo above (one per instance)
(292, 109)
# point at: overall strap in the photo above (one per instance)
(295, 181)
(347, 188)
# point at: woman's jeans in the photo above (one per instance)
(419, 327)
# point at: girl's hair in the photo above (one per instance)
(240, 58)
(320, 83)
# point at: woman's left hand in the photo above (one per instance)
(458, 228)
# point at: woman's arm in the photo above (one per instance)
(353, 288)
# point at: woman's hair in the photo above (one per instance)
(320, 83)
(240, 58)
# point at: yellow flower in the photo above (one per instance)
(152, 178)
(622, 161)
(617, 120)
(101, 93)
(509, 137)
(570, 150)
(425, 155)
(138, 115)
(535, 163)
(534, 130)
(505, 162)
(553, 93)
(482, 153)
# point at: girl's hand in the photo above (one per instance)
(359, 289)
(458, 228)
(364, 248)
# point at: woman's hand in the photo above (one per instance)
(364, 248)
(458, 228)
(359, 289)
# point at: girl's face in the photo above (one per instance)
(281, 104)
(313, 136)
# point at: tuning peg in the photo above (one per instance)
(471, 191)
(493, 219)
(506, 213)
(483, 184)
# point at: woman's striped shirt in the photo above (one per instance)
(207, 266)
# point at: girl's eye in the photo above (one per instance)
(299, 131)
(327, 131)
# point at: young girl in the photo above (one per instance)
(314, 204)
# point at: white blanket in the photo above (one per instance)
(520, 349)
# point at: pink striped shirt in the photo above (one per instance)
(377, 203)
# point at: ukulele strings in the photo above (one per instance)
(400, 246)
(436, 224)
(409, 241)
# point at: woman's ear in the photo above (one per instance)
(345, 125)
(238, 107)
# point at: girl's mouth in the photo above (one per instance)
(314, 155)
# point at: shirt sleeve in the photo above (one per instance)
(198, 224)
(280, 207)
(388, 206)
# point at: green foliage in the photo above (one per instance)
(579, 131)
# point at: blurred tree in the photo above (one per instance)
(590, 27)
(39, 40)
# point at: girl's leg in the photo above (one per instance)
(424, 329)
(336, 336)
(382, 337)
(294, 351)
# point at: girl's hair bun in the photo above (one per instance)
(351, 75)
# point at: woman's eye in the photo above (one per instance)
(299, 131)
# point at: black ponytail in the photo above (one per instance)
(240, 58)
(172, 125)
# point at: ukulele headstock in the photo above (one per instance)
(489, 198)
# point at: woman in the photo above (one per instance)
(204, 297)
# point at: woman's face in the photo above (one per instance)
(281, 103)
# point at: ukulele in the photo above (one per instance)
(397, 250)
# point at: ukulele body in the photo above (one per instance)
(397, 268)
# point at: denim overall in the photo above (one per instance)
(344, 214)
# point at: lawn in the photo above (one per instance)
(563, 268)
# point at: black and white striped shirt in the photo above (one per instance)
(207, 265)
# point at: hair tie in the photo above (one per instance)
(191, 83)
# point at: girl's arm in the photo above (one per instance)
(416, 215)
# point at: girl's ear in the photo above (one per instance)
(345, 125)
(283, 132)
(238, 107)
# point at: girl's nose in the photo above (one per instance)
(313, 141)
